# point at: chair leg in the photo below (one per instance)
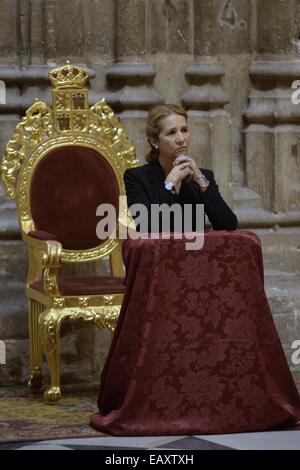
(50, 321)
(35, 345)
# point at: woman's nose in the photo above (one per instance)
(180, 137)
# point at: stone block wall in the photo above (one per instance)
(230, 62)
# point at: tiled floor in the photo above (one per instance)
(273, 440)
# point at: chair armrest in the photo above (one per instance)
(51, 261)
(44, 262)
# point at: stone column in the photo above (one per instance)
(9, 57)
(272, 139)
(273, 131)
(35, 35)
(205, 98)
(13, 326)
(14, 20)
(171, 44)
(130, 79)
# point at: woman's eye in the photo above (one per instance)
(174, 131)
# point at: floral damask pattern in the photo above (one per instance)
(196, 350)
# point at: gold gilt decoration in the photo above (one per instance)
(111, 315)
(34, 127)
(103, 121)
(51, 320)
(108, 299)
(48, 326)
(68, 76)
(50, 282)
(70, 98)
(70, 117)
(51, 262)
(103, 317)
(43, 130)
(83, 301)
(59, 302)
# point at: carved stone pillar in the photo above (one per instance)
(272, 138)
(273, 135)
(273, 131)
(35, 35)
(130, 79)
(209, 122)
(12, 251)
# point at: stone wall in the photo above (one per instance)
(230, 62)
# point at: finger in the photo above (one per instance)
(187, 172)
(181, 158)
(190, 174)
(183, 173)
(184, 165)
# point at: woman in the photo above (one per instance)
(172, 176)
(195, 350)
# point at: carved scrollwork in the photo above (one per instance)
(103, 121)
(59, 302)
(103, 317)
(50, 282)
(108, 299)
(89, 254)
(51, 261)
(86, 314)
(50, 320)
(48, 328)
(83, 301)
(111, 315)
(29, 132)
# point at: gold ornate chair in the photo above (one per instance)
(60, 165)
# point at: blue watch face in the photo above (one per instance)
(169, 186)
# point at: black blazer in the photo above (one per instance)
(145, 185)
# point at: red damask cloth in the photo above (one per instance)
(195, 350)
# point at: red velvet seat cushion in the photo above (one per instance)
(95, 285)
(41, 235)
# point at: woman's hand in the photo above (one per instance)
(182, 170)
(195, 172)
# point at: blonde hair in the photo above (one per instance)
(156, 114)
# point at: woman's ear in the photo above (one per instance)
(153, 142)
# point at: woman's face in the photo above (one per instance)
(174, 137)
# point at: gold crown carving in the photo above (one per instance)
(68, 76)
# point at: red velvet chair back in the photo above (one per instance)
(67, 186)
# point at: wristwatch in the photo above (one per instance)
(170, 187)
(203, 182)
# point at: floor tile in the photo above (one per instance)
(192, 443)
(142, 442)
(273, 440)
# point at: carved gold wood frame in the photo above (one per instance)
(35, 136)
(24, 183)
